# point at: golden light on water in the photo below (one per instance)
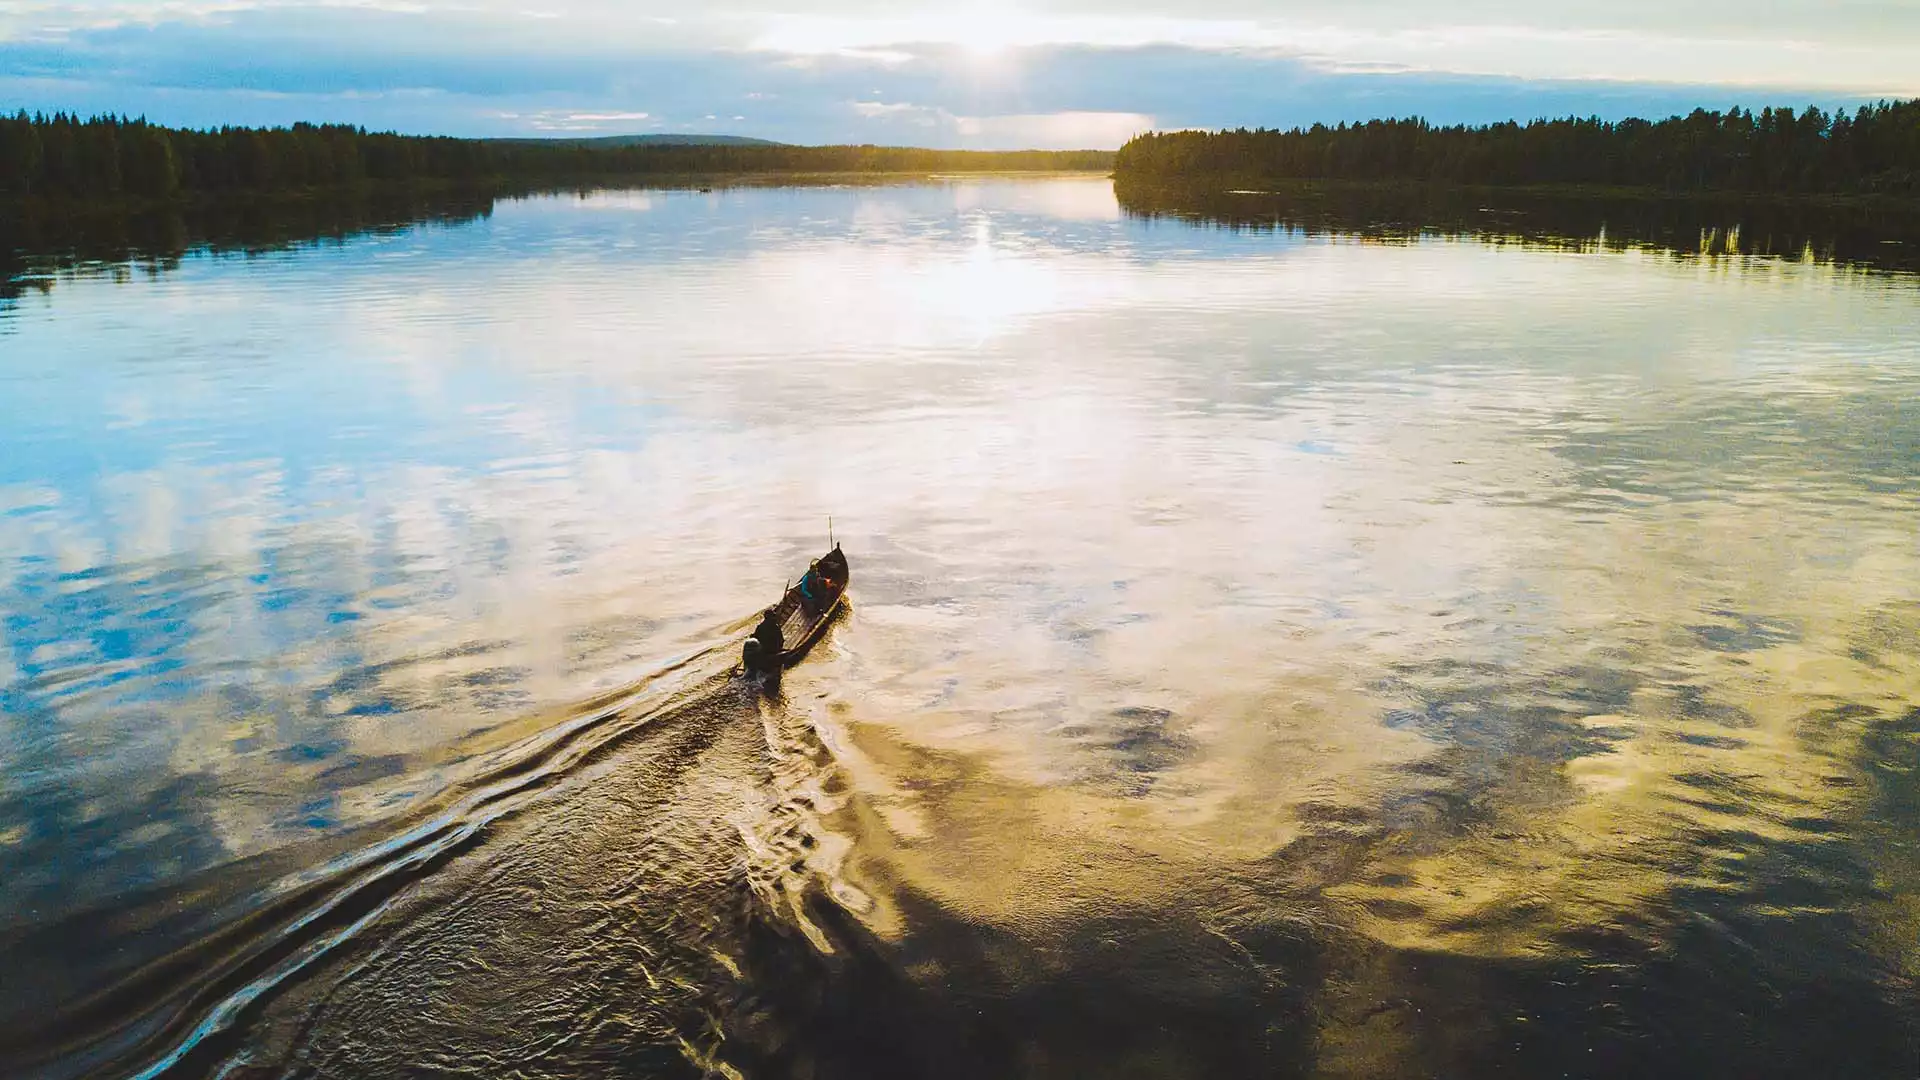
(1290, 626)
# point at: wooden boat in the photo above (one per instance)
(803, 614)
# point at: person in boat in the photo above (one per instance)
(769, 636)
(816, 589)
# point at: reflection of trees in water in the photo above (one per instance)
(44, 242)
(1877, 235)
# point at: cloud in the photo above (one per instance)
(1081, 129)
(974, 32)
(923, 115)
(554, 121)
(1061, 130)
(1603, 49)
(1848, 45)
(1001, 80)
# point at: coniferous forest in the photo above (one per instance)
(65, 157)
(1875, 150)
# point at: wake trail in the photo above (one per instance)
(178, 1013)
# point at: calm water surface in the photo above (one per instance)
(1268, 654)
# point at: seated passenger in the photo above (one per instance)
(817, 590)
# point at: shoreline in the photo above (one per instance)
(1216, 186)
(1208, 186)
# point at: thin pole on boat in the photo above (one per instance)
(829, 532)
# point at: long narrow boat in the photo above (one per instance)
(802, 613)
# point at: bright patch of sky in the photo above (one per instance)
(995, 73)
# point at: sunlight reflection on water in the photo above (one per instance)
(1477, 601)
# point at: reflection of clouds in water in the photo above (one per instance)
(1610, 778)
(1079, 475)
(1454, 499)
(1690, 715)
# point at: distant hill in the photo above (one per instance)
(612, 142)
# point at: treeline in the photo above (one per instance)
(63, 156)
(1873, 150)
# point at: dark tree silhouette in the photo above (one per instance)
(63, 156)
(1875, 150)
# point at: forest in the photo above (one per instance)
(66, 157)
(1874, 150)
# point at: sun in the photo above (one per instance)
(985, 37)
(986, 33)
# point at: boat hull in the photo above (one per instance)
(804, 611)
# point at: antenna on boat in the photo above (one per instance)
(830, 544)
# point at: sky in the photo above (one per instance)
(962, 73)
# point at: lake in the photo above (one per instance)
(1300, 651)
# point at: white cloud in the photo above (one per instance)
(561, 120)
(1067, 130)
(1532, 52)
(1060, 130)
(1051, 72)
(1000, 30)
(920, 114)
(1513, 42)
(1866, 46)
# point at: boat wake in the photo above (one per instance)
(635, 840)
